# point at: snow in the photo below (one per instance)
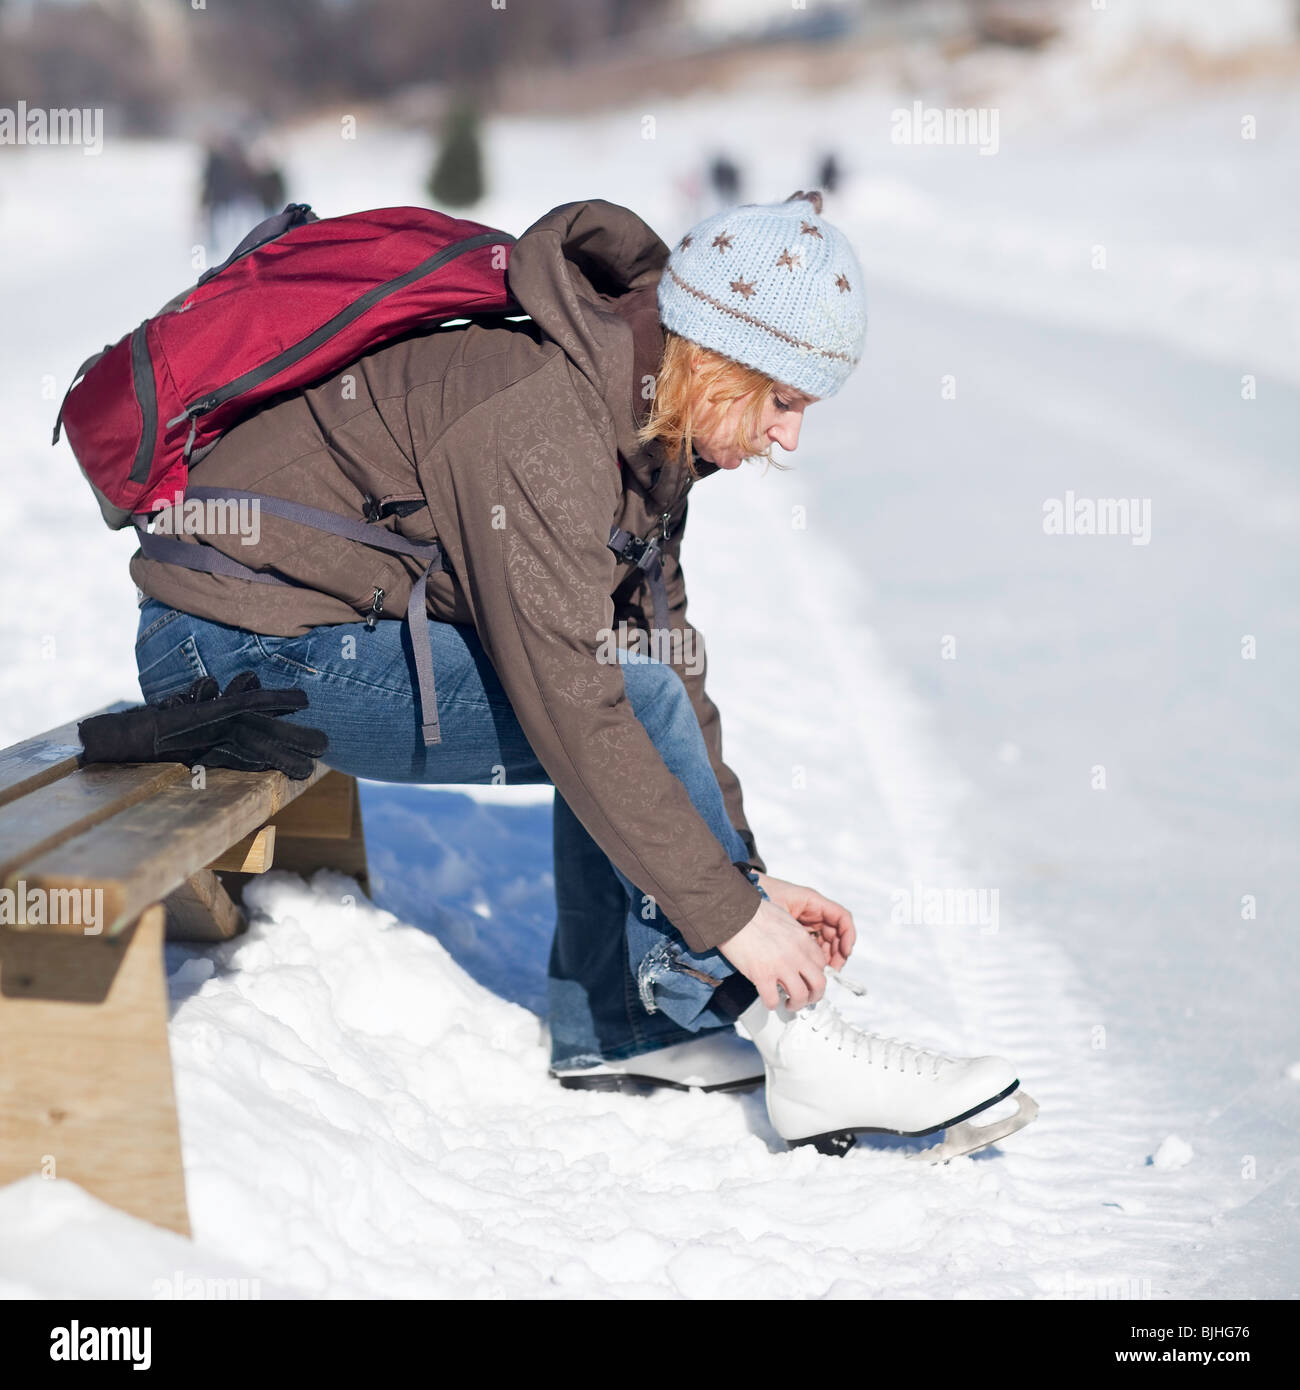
(60, 1242)
(1205, 25)
(1172, 1153)
(362, 1086)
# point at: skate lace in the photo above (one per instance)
(879, 1050)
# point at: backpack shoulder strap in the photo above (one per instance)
(210, 560)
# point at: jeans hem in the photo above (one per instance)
(642, 1048)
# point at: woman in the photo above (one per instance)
(519, 446)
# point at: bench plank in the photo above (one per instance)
(74, 803)
(44, 757)
(86, 1088)
(143, 853)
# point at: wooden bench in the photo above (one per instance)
(85, 1072)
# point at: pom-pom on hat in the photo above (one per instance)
(774, 286)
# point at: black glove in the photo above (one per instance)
(235, 728)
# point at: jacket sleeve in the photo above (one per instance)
(532, 483)
(690, 661)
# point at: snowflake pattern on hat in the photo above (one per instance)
(774, 286)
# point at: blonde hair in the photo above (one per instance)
(684, 403)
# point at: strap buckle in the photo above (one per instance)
(638, 550)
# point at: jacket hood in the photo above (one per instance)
(586, 273)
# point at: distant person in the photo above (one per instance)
(270, 185)
(235, 195)
(829, 173)
(725, 180)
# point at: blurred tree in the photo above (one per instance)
(144, 58)
(457, 177)
(59, 56)
(279, 57)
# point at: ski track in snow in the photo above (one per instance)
(1011, 991)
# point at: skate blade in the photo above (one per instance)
(633, 1084)
(963, 1135)
(967, 1136)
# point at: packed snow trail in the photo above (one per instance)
(1076, 651)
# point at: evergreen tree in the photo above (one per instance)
(457, 177)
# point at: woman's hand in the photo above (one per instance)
(772, 949)
(830, 924)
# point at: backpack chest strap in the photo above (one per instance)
(643, 552)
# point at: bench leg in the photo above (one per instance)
(322, 830)
(201, 910)
(85, 1072)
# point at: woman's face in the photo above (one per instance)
(779, 423)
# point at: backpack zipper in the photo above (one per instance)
(146, 397)
(376, 608)
(306, 346)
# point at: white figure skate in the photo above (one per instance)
(828, 1080)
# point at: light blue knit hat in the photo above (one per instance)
(772, 285)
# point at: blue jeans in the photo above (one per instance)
(621, 980)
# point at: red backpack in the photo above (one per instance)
(299, 298)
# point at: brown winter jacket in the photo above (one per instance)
(511, 433)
